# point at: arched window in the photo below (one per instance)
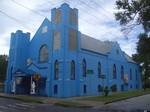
(136, 75)
(72, 71)
(99, 88)
(84, 68)
(122, 72)
(11, 73)
(56, 70)
(55, 89)
(84, 89)
(113, 88)
(114, 72)
(99, 69)
(43, 53)
(130, 74)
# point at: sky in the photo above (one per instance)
(96, 19)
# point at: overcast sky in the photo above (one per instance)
(96, 19)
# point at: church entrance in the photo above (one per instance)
(21, 85)
(38, 85)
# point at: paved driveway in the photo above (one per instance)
(137, 104)
(134, 104)
(9, 105)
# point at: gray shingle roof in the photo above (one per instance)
(129, 59)
(102, 47)
(92, 44)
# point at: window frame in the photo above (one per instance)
(55, 88)
(56, 70)
(99, 69)
(122, 72)
(43, 53)
(84, 68)
(114, 71)
(72, 70)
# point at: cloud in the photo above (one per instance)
(96, 18)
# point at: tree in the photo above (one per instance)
(143, 57)
(132, 13)
(3, 67)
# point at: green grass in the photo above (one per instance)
(1, 87)
(118, 96)
(29, 99)
(71, 104)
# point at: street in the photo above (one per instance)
(9, 105)
(137, 104)
(133, 104)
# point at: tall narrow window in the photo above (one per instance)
(99, 88)
(73, 17)
(99, 69)
(55, 89)
(11, 73)
(57, 40)
(84, 67)
(122, 72)
(72, 71)
(56, 70)
(57, 16)
(73, 34)
(84, 89)
(43, 53)
(136, 75)
(114, 72)
(130, 74)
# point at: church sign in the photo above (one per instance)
(90, 71)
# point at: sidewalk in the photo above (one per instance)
(66, 102)
(30, 99)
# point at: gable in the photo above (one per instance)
(43, 29)
(116, 53)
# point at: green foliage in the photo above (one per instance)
(113, 88)
(143, 57)
(118, 96)
(106, 91)
(3, 66)
(100, 88)
(132, 13)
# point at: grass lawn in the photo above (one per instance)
(118, 96)
(29, 99)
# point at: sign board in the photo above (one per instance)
(103, 76)
(36, 77)
(90, 71)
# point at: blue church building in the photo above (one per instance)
(60, 61)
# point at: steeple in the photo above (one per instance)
(64, 15)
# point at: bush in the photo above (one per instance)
(106, 91)
(113, 88)
(146, 84)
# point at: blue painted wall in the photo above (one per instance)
(22, 49)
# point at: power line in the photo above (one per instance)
(34, 11)
(96, 18)
(14, 19)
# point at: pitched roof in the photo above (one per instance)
(129, 59)
(102, 47)
(89, 43)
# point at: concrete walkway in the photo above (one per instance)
(133, 104)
